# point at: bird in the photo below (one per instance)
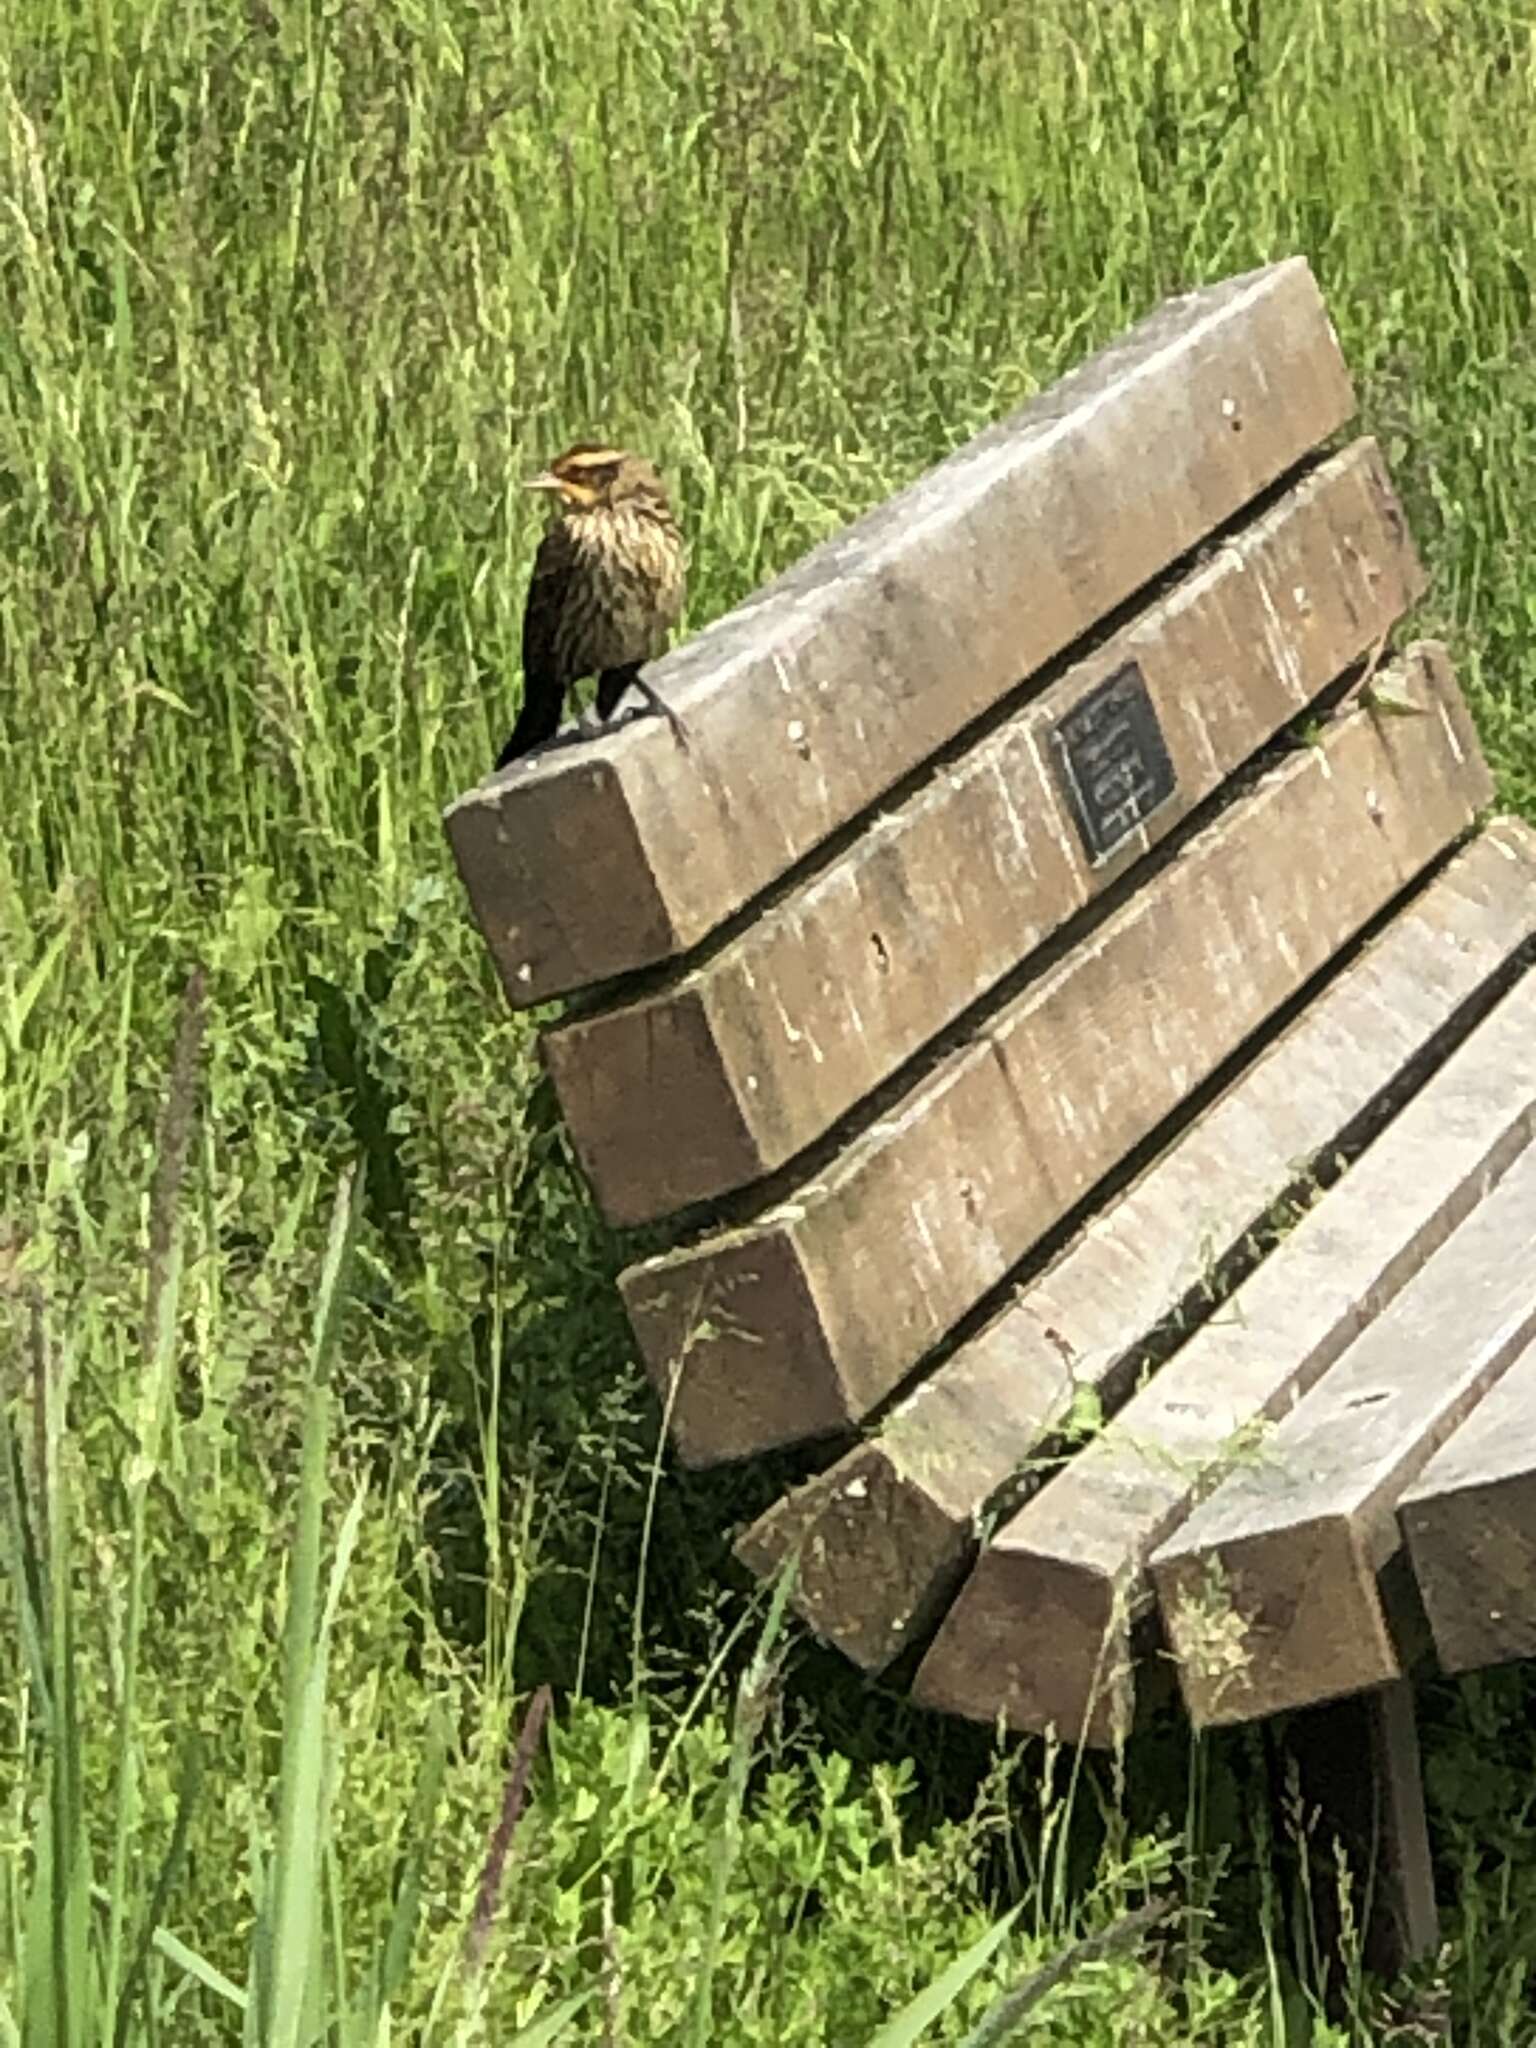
(606, 590)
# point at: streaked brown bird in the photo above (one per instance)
(606, 590)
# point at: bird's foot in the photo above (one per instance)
(592, 724)
(664, 710)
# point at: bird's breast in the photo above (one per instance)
(627, 584)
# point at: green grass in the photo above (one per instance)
(292, 297)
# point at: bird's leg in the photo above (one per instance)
(612, 684)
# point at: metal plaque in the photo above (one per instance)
(1112, 761)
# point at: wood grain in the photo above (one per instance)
(937, 1200)
(1280, 1565)
(769, 1040)
(1042, 1631)
(885, 1534)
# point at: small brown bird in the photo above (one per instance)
(606, 590)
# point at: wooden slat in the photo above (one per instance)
(1470, 1522)
(820, 692)
(884, 1535)
(797, 1325)
(761, 1048)
(1042, 1630)
(1269, 1591)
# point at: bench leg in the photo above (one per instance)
(1357, 1763)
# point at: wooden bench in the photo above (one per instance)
(1078, 1023)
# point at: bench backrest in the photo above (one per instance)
(1001, 952)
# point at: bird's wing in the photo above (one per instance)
(546, 595)
(543, 683)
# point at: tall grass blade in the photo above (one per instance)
(69, 1868)
(389, 1969)
(187, 1960)
(550, 2026)
(170, 1869)
(919, 2014)
(162, 1298)
(1002, 2023)
(501, 1842)
(287, 1955)
(751, 1705)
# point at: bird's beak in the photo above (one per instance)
(544, 481)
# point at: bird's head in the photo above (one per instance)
(588, 476)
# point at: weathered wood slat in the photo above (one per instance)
(1269, 1591)
(1042, 1631)
(816, 695)
(799, 1324)
(884, 1535)
(766, 1043)
(1470, 1522)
